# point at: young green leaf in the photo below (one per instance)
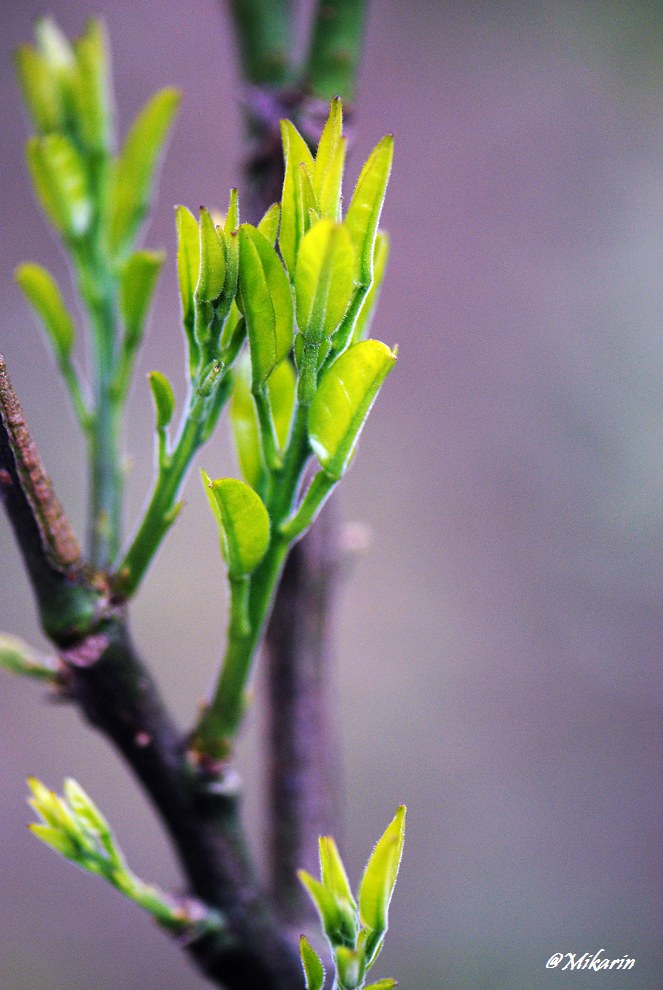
(267, 301)
(243, 524)
(39, 86)
(365, 207)
(60, 181)
(232, 216)
(136, 167)
(314, 971)
(330, 163)
(332, 871)
(377, 884)
(43, 294)
(324, 279)
(188, 269)
(19, 658)
(164, 400)
(328, 909)
(293, 205)
(91, 88)
(137, 283)
(244, 420)
(343, 401)
(387, 984)
(269, 225)
(212, 260)
(365, 316)
(244, 423)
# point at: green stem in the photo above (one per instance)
(213, 737)
(163, 508)
(318, 492)
(99, 289)
(335, 48)
(263, 30)
(270, 445)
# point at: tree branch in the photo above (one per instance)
(68, 600)
(118, 697)
(101, 672)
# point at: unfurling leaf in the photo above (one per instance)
(60, 181)
(314, 971)
(332, 870)
(269, 225)
(164, 400)
(329, 164)
(188, 269)
(267, 302)
(212, 273)
(137, 283)
(136, 167)
(44, 296)
(293, 203)
(343, 401)
(379, 877)
(91, 88)
(324, 279)
(365, 207)
(243, 524)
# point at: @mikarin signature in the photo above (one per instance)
(588, 961)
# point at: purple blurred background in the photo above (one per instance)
(499, 640)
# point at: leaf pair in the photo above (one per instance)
(355, 931)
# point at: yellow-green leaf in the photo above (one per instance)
(244, 419)
(164, 400)
(188, 268)
(326, 906)
(19, 658)
(137, 283)
(60, 182)
(269, 225)
(44, 296)
(212, 260)
(267, 301)
(91, 87)
(387, 984)
(136, 167)
(293, 205)
(232, 216)
(332, 870)
(377, 884)
(314, 971)
(40, 89)
(343, 401)
(365, 207)
(324, 279)
(243, 524)
(329, 164)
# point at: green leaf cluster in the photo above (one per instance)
(354, 927)
(96, 194)
(73, 826)
(306, 279)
